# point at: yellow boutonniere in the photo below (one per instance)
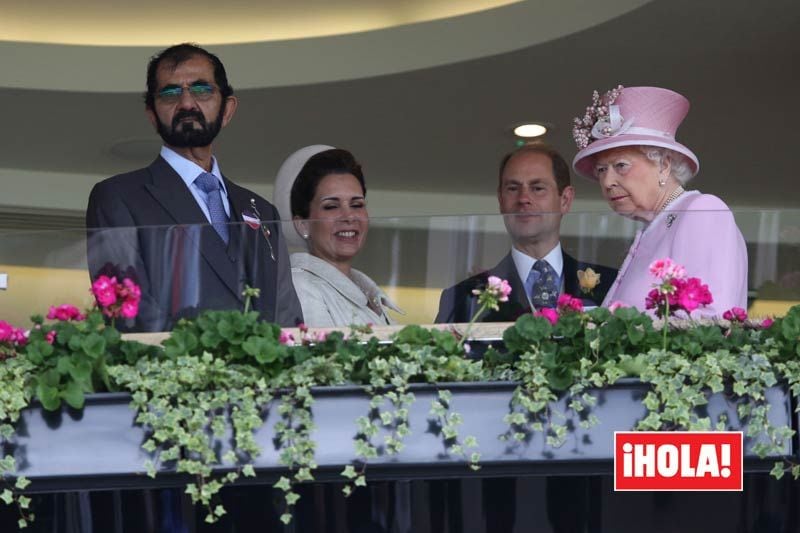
(588, 280)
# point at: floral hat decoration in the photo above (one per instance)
(628, 116)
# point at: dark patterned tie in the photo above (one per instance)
(544, 292)
(209, 184)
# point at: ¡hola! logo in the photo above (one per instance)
(678, 460)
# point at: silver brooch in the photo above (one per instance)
(670, 219)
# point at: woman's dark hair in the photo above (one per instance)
(173, 57)
(335, 161)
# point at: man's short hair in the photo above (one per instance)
(174, 56)
(560, 167)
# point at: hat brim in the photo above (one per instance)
(583, 159)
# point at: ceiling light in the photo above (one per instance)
(530, 130)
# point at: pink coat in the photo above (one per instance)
(697, 231)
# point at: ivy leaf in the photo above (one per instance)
(777, 470)
(349, 472)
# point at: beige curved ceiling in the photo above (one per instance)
(319, 40)
(159, 23)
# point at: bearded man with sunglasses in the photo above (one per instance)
(176, 227)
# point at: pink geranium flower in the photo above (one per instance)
(499, 287)
(286, 338)
(568, 303)
(64, 313)
(667, 269)
(692, 293)
(735, 314)
(616, 304)
(548, 313)
(129, 309)
(117, 299)
(6, 330)
(767, 322)
(50, 337)
(104, 289)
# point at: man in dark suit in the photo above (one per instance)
(534, 192)
(188, 235)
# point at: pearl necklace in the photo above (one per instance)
(671, 198)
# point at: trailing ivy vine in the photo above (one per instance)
(203, 395)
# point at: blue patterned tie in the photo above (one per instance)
(544, 290)
(209, 184)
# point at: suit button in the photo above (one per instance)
(232, 258)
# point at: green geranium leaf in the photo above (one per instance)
(49, 396)
(73, 395)
(180, 342)
(94, 345)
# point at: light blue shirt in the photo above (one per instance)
(524, 264)
(188, 171)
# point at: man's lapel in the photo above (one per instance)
(169, 190)
(257, 248)
(572, 284)
(570, 275)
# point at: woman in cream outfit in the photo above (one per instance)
(323, 190)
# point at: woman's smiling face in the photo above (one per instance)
(337, 220)
(629, 181)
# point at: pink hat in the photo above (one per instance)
(646, 116)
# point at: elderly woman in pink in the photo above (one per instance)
(627, 144)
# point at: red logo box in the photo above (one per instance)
(678, 460)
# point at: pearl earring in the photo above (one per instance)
(661, 182)
(305, 236)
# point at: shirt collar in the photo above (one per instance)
(189, 170)
(524, 262)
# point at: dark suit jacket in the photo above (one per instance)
(147, 225)
(458, 304)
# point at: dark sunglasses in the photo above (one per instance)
(198, 90)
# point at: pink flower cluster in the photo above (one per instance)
(286, 338)
(11, 335)
(566, 304)
(496, 287)
(676, 291)
(665, 269)
(617, 304)
(117, 299)
(735, 314)
(307, 337)
(65, 313)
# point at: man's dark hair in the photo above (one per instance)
(560, 167)
(174, 56)
(335, 161)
